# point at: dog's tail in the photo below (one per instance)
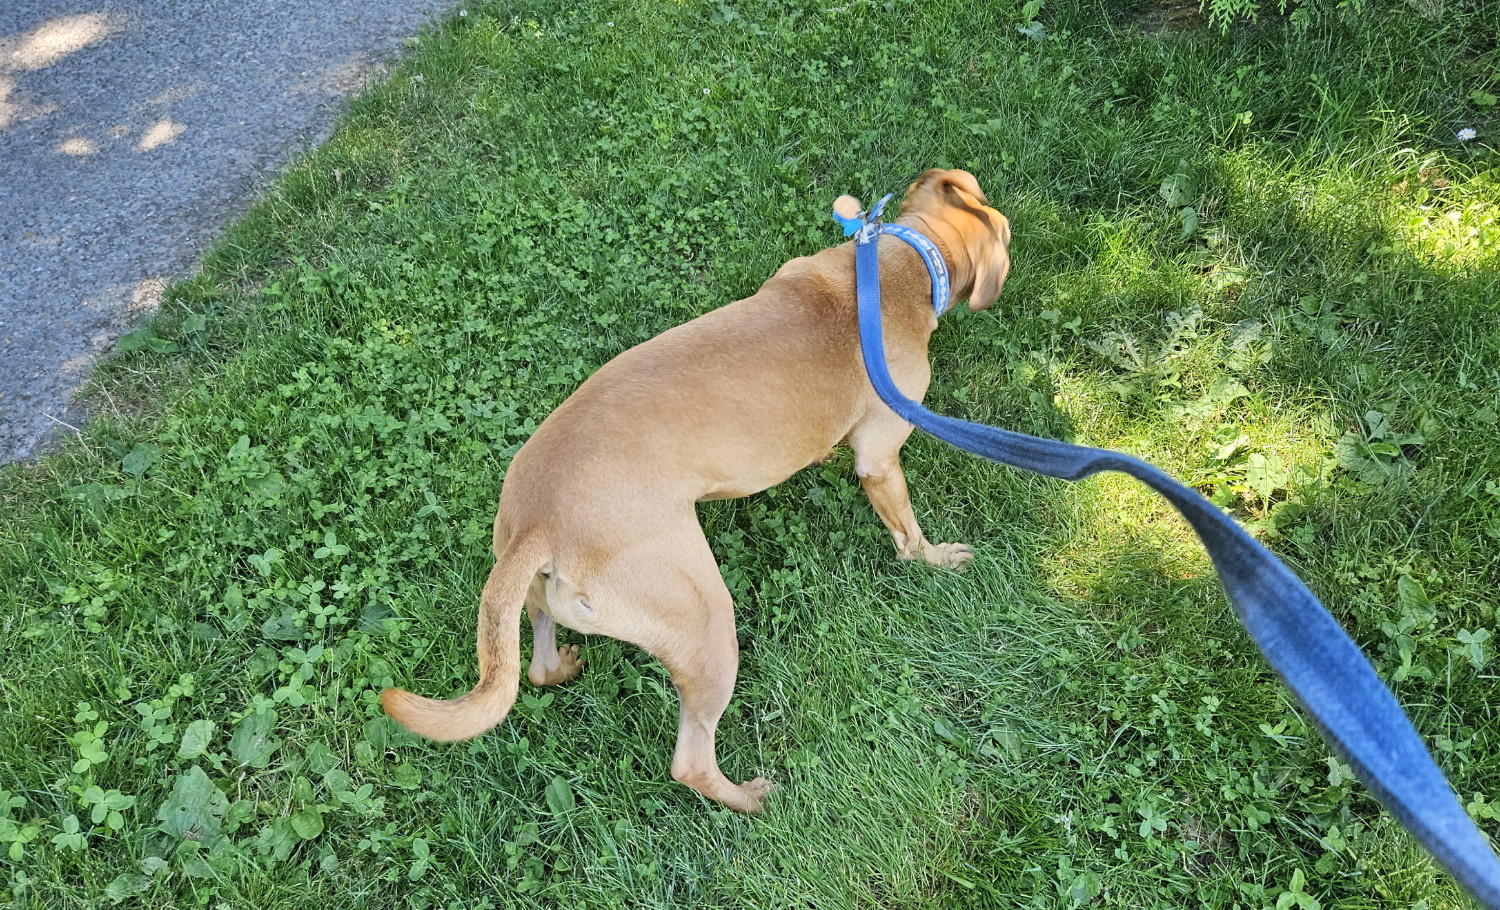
(499, 656)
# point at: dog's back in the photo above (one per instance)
(723, 406)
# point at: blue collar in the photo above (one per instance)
(937, 267)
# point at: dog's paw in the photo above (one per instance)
(568, 666)
(950, 555)
(572, 664)
(755, 792)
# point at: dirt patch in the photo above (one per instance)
(1163, 18)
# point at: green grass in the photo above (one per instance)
(200, 604)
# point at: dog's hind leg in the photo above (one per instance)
(550, 665)
(682, 613)
(704, 672)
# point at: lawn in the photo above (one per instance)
(1260, 257)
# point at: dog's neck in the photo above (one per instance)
(950, 244)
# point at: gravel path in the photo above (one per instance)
(131, 131)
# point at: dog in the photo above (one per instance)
(596, 528)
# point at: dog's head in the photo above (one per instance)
(955, 209)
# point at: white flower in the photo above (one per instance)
(610, 24)
(1466, 135)
(463, 13)
(705, 91)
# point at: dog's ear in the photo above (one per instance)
(985, 233)
(990, 253)
(960, 180)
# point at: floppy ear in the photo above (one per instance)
(962, 180)
(985, 233)
(989, 250)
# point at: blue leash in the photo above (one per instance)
(1352, 708)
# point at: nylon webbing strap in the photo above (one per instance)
(1341, 692)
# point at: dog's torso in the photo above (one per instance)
(724, 406)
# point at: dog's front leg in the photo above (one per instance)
(877, 461)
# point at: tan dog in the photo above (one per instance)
(596, 528)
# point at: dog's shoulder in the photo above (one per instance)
(822, 280)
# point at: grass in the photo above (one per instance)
(1260, 259)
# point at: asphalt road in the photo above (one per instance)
(131, 131)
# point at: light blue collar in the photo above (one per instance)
(936, 266)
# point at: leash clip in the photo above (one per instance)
(867, 226)
(864, 224)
